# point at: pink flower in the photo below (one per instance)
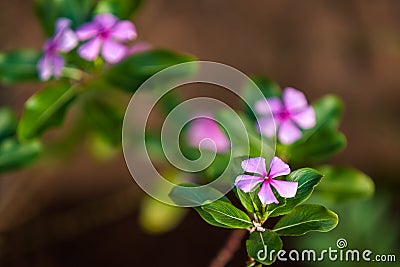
(277, 168)
(64, 40)
(204, 128)
(289, 114)
(106, 34)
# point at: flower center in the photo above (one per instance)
(283, 114)
(104, 33)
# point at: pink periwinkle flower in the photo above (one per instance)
(289, 114)
(105, 34)
(277, 168)
(64, 40)
(206, 130)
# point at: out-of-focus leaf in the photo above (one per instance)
(306, 218)
(307, 179)
(343, 184)
(264, 246)
(48, 11)
(183, 197)
(320, 146)
(19, 66)
(156, 217)
(14, 155)
(129, 74)
(104, 116)
(45, 109)
(123, 9)
(8, 123)
(227, 214)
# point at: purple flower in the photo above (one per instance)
(64, 40)
(205, 128)
(277, 168)
(105, 33)
(289, 114)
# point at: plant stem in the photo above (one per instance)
(228, 250)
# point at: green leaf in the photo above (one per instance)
(104, 115)
(343, 184)
(48, 11)
(227, 214)
(8, 123)
(19, 66)
(14, 155)
(306, 218)
(45, 109)
(320, 146)
(209, 218)
(156, 217)
(307, 179)
(129, 74)
(183, 196)
(264, 246)
(123, 9)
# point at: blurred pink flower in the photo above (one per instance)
(106, 34)
(277, 168)
(289, 114)
(203, 128)
(64, 40)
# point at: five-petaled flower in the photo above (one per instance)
(289, 114)
(277, 168)
(207, 130)
(64, 40)
(105, 33)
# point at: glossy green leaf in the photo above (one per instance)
(306, 218)
(264, 246)
(129, 74)
(227, 214)
(8, 123)
(209, 218)
(19, 66)
(45, 109)
(307, 179)
(48, 11)
(343, 184)
(14, 155)
(123, 9)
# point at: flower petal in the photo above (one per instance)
(124, 31)
(58, 65)
(138, 47)
(278, 167)
(254, 165)
(44, 68)
(294, 100)
(106, 20)
(90, 50)
(266, 126)
(306, 119)
(268, 106)
(206, 128)
(247, 182)
(286, 189)
(67, 41)
(266, 195)
(62, 24)
(112, 51)
(87, 31)
(288, 132)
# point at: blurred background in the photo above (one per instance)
(82, 211)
